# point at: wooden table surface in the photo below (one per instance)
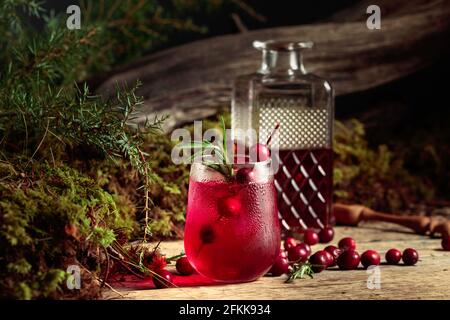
(429, 279)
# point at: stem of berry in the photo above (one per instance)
(269, 140)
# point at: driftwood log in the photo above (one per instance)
(184, 80)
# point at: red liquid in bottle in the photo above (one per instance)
(304, 183)
(232, 232)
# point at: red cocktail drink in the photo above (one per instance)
(232, 230)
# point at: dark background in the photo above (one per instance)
(409, 111)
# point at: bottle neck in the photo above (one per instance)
(282, 62)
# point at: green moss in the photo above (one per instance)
(45, 223)
(374, 176)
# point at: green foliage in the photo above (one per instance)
(44, 220)
(55, 208)
(375, 177)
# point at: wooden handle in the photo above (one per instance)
(419, 224)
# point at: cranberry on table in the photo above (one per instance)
(280, 266)
(310, 237)
(393, 256)
(446, 243)
(410, 257)
(259, 152)
(370, 258)
(326, 235)
(184, 267)
(290, 242)
(163, 279)
(347, 243)
(348, 260)
(319, 261)
(335, 252)
(330, 259)
(306, 247)
(298, 254)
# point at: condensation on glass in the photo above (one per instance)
(282, 91)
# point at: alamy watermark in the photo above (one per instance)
(374, 20)
(73, 22)
(374, 278)
(74, 277)
(237, 142)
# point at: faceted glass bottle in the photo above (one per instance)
(283, 92)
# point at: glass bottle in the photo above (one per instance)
(283, 92)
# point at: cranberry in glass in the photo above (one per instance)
(370, 258)
(245, 175)
(410, 256)
(298, 254)
(347, 243)
(306, 247)
(229, 206)
(319, 261)
(163, 279)
(281, 266)
(326, 235)
(184, 267)
(289, 243)
(310, 237)
(446, 243)
(348, 260)
(259, 152)
(207, 234)
(393, 256)
(335, 252)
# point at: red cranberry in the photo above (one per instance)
(229, 206)
(184, 267)
(245, 175)
(393, 256)
(370, 258)
(259, 152)
(330, 259)
(289, 243)
(348, 260)
(207, 234)
(319, 261)
(446, 243)
(298, 254)
(326, 235)
(410, 256)
(306, 247)
(163, 279)
(310, 237)
(347, 244)
(335, 252)
(281, 266)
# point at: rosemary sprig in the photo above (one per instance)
(222, 166)
(299, 271)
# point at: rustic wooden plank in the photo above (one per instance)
(429, 279)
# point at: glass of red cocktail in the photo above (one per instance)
(232, 231)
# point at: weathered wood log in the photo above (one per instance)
(188, 78)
